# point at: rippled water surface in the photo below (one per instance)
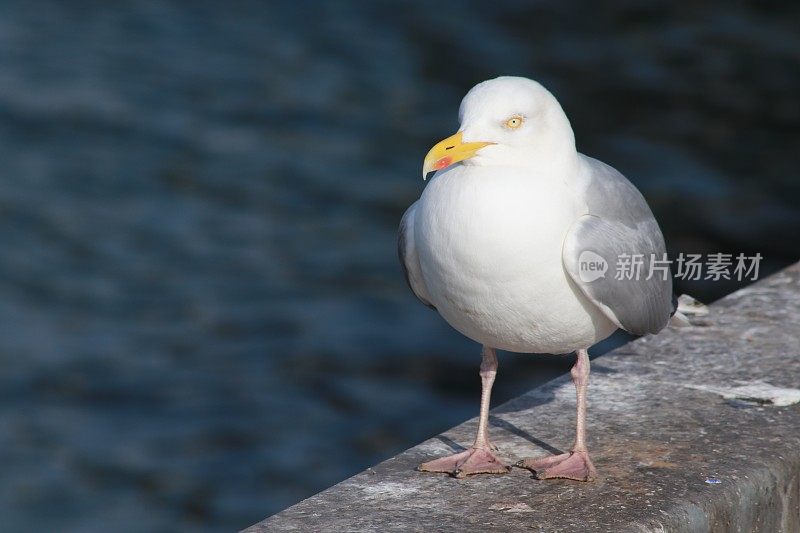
(201, 315)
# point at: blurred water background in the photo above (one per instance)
(202, 319)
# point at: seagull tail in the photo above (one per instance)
(686, 306)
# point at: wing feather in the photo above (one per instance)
(620, 223)
(409, 260)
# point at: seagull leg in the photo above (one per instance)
(576, 464)
(479, 459)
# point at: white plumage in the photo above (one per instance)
(489, 242)
(494, 242)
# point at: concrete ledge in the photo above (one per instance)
(689, 430)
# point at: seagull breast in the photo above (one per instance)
(489, 241)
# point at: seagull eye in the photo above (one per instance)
(514, 122)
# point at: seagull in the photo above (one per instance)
(514, 242)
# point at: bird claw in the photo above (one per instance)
(573, 465)
(468, 462)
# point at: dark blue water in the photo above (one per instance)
(201, 315)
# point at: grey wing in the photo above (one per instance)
(409, 260)
(619, 226)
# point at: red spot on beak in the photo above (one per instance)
(443, 163)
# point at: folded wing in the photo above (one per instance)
(620, 229)
(409, 261)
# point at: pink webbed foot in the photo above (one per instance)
(572, 465)
(468, 462)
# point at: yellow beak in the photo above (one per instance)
(449, 151)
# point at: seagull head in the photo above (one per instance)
(508, 121)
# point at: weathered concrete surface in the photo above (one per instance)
(663, 418)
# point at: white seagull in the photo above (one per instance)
(509, 242)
